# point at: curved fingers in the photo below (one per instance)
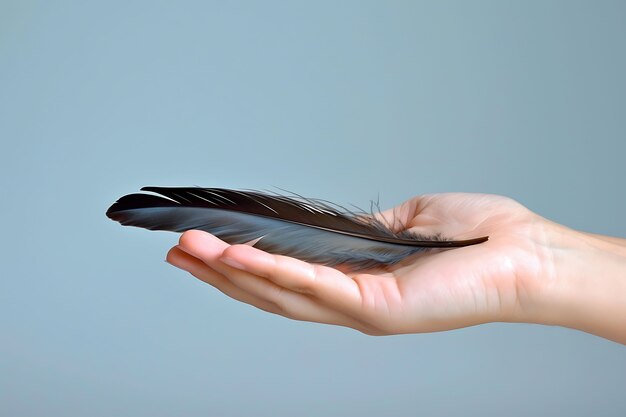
(198, 269)
(203, 252)
(292, 304)
(328, 285)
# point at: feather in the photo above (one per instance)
(311, 230)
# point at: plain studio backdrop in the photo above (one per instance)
(345, 101)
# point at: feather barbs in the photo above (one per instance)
(311, 230)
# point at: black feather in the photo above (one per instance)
(307, 229)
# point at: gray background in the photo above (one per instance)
(336, 100)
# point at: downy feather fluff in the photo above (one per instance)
(311, 230)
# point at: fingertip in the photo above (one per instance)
(177, 257)
(171, 254)
(201, 244)
(191, 237)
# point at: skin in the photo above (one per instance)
(530, 270)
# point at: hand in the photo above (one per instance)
(499, 280)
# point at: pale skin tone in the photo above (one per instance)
(530, 270)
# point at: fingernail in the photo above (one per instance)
(231, 262)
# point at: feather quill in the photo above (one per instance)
(311, 230)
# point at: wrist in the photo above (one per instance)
(586, 289)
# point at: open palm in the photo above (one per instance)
(431, 291)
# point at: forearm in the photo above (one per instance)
(588, 288)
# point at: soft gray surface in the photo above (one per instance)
(336, 100)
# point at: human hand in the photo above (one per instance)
(435, 290)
